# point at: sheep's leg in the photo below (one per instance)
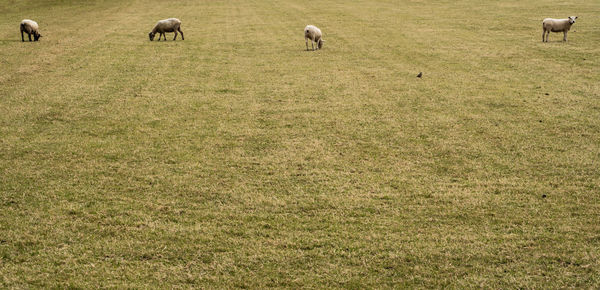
(179, 29)
(175, 35)
(544, 36)
(312, 44)
(29, 35)
(22, 38)
(565, 36)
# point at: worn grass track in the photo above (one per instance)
(236, 158)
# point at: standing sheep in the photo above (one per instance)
(30, 27)
(557, 25)
(167, 25)
(314, 34)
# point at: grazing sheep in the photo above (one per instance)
(314, 34)
(30, 27)
(167, 25)
(557, 25)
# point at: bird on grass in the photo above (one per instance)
(420, 74)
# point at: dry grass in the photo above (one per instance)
(237, 159)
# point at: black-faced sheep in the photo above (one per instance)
(30, 27)
(557, 25)
(314, 34)
(167, 25)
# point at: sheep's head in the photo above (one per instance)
(151, 35)
(36, 36)
(572, 19)
(320, 44)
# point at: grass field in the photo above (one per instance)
(236, 158)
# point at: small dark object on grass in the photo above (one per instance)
(546, 94)
(420, 75)
(543, 196)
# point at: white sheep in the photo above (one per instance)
(30, 27)
(314, 34)
(167, 25)
(557, 25)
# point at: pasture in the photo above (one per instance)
(236, 158)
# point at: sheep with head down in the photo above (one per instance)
(557, 25)
(30, 27)
(314, 34)
(166, 25)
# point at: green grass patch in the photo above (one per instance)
(236, 158)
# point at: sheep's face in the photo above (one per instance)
(572, 19)
(36, 36)
(151, 35)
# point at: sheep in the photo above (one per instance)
(167, 25)
(314, 34)
(557, 25)
(30, 27)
